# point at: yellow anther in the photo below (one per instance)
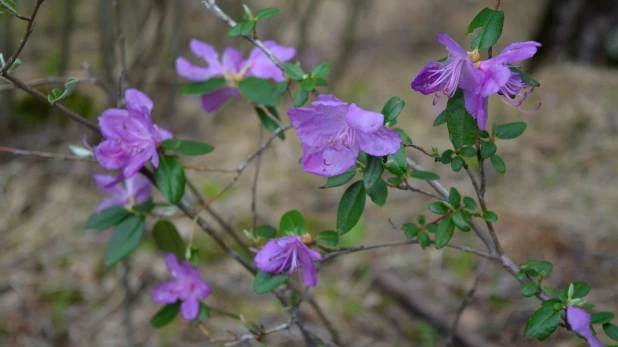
(474, 56)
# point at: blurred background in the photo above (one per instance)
(556, 202)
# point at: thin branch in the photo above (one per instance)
(481, 162)
(466, 301)
(341, 251)
(421, 149)
(46, 155)
(48, 80)
(128, 324)
(123, 77)
(406, 186)
(24, 39)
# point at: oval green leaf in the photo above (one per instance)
(124, 240)
(266, 283)
(292, 223)
(168, 239)
(165, 315)
(350, 207)
(170, 178)
(107, 218)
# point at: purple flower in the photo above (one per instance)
(232, 67)
(135, 190)
(286, 254)
(579, 320)
(478, 79)
(333, 133)
(187, 286)
(131, 139)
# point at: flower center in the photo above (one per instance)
(475, 57)
(346, 135)
(233, 77)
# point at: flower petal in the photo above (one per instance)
(190, 308)
(492, 77)
(516, 52)
(424, 81)
(139, 187)
(310, 276)
(579, 320)
(319, 129)
(212, 101)
(173, 266)
(261, 66)
(264, 259)
(202, 290)
(206, 52)
(137, 161)
(110, 155)
(327, 97)
(476, 105)
(137, 101)
(232, 59)
(102, 182)
(382, 142)
(298, 115)
(193, 72)
(166, 292)
(112, 201)
(452, 46)
(364, 121)
(337, 161)
(111, 122)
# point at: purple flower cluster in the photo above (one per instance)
(478, 79)
(334, 132)
(131, 140)
(136, 189)
(232, 67)
(187, 286)
(579, 320)
(286, 254)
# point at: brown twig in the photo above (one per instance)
(48, 80)
(258, 161)
(24, 39)
(123, 77)
(466, 301)
(421, 149)
(406, 186)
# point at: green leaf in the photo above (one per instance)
(529, 289)
(424, 175)
(460, 222)
(300, 98)
(248, 13)
(445, 231)
(454, 198)
(320, 82)
(462, 128)
(308, 84)
(491, 23)
(611, 331)
(397, 163)
(537, 268)
(602, 317)
(341, 179)
(395, 181)
(438, 208)
(144, 207)
(446, 156)
(392, 109)
(467, 152)
(511, 130)
(470, 203)
(441, 119)
(423, 240)
(269, 123)
(457, 163)
(542, 323)
(258, 91)
(328, 238)
(373, 171)
(186, 147)
(498, 163)
(321, 70)
(525, 78)
(266, 13)
(292, 223)
(266, 283)
(124, 240)
(411, 230)
(201, 88)
(350, 207)
(170, 178)
(242, 29)
(280, 88)
(294, 71)
(168, 239)
(378, 193)
(107, 218)
(165, 315)
(490, 216)
(580, 289)
(488, 149)
(204, 313)
(266, 231)
(8, 5)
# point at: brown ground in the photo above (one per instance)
(556, 201)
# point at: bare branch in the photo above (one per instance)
(24, 39)
(46, 155)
